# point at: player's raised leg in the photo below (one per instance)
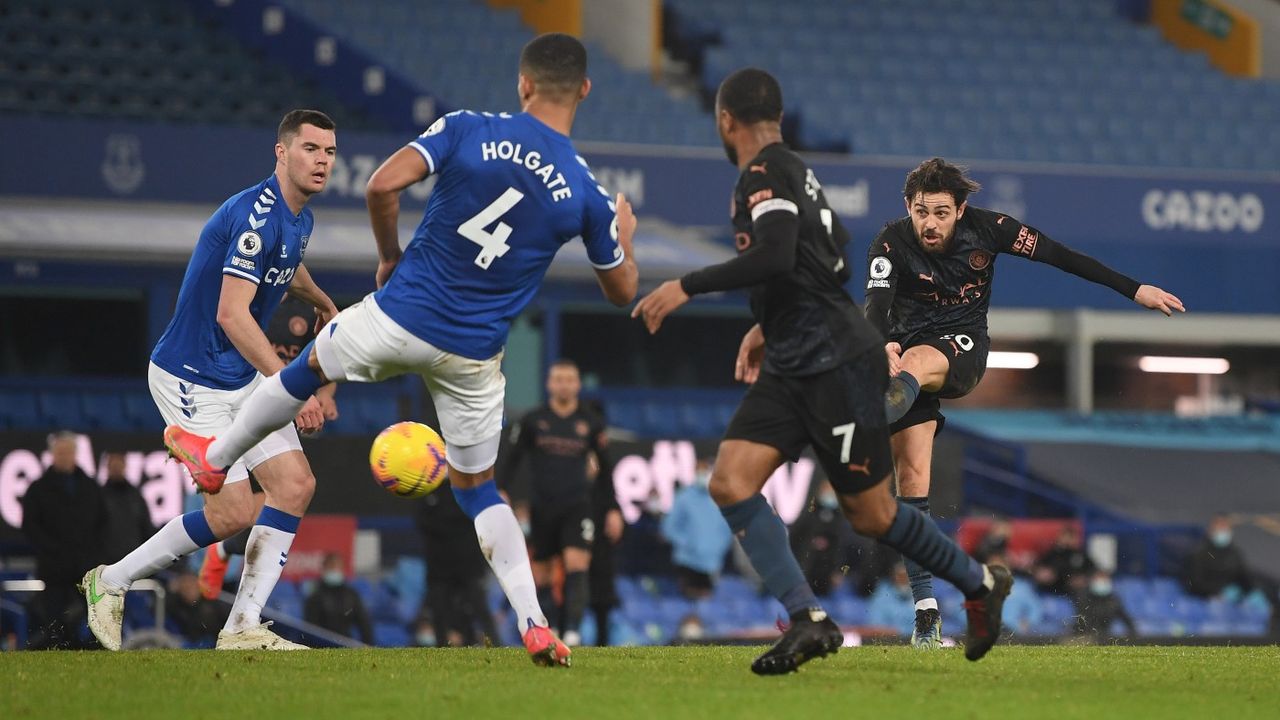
(913, 456)
(288, 486)
(741, 470)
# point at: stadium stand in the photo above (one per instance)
(1068, 82)
(143, 60)
(467, 57)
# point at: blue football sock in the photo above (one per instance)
(901, 395)
(921, 580)
(917, 537)
(764, 538)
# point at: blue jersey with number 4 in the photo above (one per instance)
(510, 191)
(254, 237)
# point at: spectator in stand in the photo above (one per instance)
(1098, 608)
(64, 517)
(1065, 569)
(128, 517)
(698, 534)
(189, 614)
(455, 600)
(995, 542)
(891, 605)
(817, 540)
(336, 606)
(1216, 568)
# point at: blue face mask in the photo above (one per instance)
(1101, 586)
(333, 578)
(831, 502)
(425, 639)
(1220, 538)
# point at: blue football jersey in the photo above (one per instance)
(510, 191)
(252, 236)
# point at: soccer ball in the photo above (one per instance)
(408, 460)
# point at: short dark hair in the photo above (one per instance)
(751, 95)
(555, 62)
(563, 363)
(295, 119)
(937, 175)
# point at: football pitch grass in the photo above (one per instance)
(652, 683)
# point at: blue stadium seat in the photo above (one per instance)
(19, 409)
(104, 410)
(60, 409)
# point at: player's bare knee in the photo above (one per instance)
(292, 494)
(724, 490)
(871, 520)
(229, 516)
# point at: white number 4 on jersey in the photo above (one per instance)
(492, 244)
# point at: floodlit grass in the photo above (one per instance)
(701, 682)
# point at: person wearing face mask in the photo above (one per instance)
(698, 535)
(336, 606)
(928, 291)
(1216, 568)
(1098, 608)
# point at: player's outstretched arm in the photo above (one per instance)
(1028, 242)
(620, 283)
(382, 195)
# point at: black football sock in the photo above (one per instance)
(921, 580)
(901, 395)
(575, 600)
(547, 601)
(602, 624)
(917, 537)
(764, 538)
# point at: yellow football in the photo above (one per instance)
(408, 459)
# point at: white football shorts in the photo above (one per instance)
(207, 411)
(362, 344)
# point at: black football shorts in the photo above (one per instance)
(839, 412)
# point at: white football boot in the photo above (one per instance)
(257, 637)
(106, 608)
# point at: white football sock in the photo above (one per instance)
(268, 408)
(927, 604)
(161, 550)
(503, 545)
(264, 559)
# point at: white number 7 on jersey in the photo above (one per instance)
(847, 431)
(492, 244)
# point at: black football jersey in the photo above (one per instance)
(944, 292)
(557, 449)
(810, 322)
